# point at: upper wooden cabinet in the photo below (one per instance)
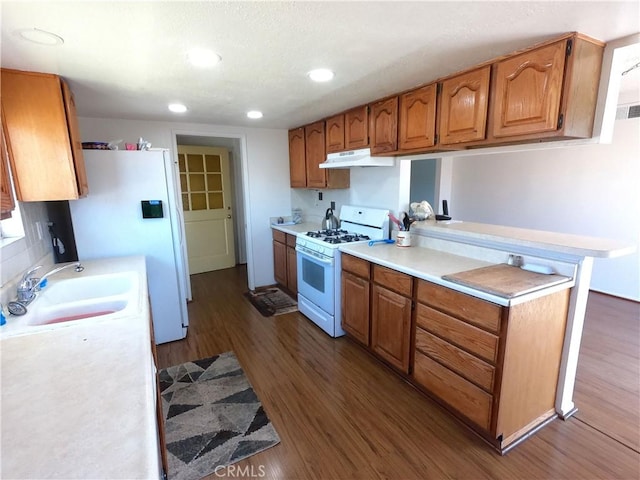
(356, 128)
(306, 153)
(383, 128)
(297, 164)
(315, 154)
(464, 101)
(417, 119)
(7, 202)
(548, 91)
(40, 123)
(335, 133)
(541, 93)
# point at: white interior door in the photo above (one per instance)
(206, 198)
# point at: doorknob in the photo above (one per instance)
(229, 216)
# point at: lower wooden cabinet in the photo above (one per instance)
(496, 368)
(356, 294)
(376, 309)
(391, 327)
(285, 268)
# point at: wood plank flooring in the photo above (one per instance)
(341, 414)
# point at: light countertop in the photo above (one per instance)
(431, 265)
(578, 245)
(78, 401)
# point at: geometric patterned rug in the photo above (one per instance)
(213, 417)
(271, 301)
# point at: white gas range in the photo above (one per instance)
(319, 263)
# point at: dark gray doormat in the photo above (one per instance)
(272, 301)
(213, 418)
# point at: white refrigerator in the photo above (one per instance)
(134, 207)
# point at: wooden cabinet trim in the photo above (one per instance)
(467, 399)
(464, 364)
(474, 310)
(463, 335)
(393, 280)
(357, 266)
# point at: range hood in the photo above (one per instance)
(356, 158)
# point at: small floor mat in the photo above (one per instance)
(272, 301)
(213, 417)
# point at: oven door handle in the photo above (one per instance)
(316, 256)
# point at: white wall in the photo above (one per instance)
(588, 190)
(265, 172)
(379, 187)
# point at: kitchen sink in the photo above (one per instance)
(72, 298)
(66, 312)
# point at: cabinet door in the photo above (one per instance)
(335, 133)
(280, 262)
(74, 137)
(292, 270)
(528, 91)
(297, 166)
(464, 100)
(7, 202)
(391, 327)
(417, 127)
(356, 128)
(38, 137)
(315, 154)
(355, 307)
(384, 126)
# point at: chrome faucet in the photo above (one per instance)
(29, 285)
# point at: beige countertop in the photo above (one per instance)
(431, 265)
(78, 399)
(577, 245)
(297, 228)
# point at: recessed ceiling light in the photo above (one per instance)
(321, 75)
(203, 58)
(177, 108)
(254, 114)
(41, 37)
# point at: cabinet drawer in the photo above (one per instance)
(279, 236)
(355, 265)
(396, 281)
(291, 240)
(480, 312)
(468, 337)
(465, 397)
(467, 365)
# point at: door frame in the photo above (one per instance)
(240, 186)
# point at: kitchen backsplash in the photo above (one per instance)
(33, 249)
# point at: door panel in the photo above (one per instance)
(206, 196)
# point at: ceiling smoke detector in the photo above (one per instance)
(41, 37)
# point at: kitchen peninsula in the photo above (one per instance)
(503, 361)
(463, 341)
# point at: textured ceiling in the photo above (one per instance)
(128, 59)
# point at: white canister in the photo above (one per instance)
(403, 239)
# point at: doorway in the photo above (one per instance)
(234, 146)
(207, 199)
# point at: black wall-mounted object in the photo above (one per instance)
(152, 209)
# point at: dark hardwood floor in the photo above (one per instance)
(341, 414)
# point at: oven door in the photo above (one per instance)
(315, 279)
